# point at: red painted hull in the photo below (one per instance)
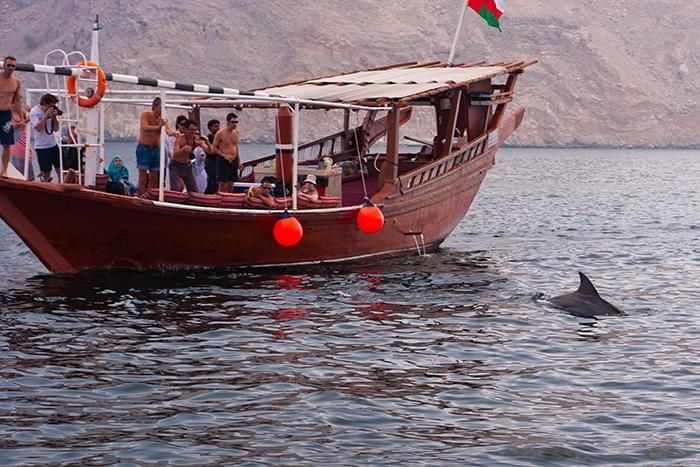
(72, 229)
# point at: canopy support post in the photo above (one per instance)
(295, 154)
(161, 174)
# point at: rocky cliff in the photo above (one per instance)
(623, 73)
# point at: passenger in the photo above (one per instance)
(281, 189)
(10, 99)
(181, 164)
(199, 167)
(226, 148)
(214, 126)
(118, 173)
(264, 191)
(148, 149)
(70, 154)
(308, 188)
(18, 150)
(172, 135)
(44, 118)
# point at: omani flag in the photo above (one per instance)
(490, 10)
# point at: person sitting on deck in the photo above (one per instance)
(118, 173)
(308, 188)
(264, 191)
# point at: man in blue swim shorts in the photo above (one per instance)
(10, 100)
(148, 149)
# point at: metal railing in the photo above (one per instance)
(328, 146)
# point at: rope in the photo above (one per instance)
(359, 156)
(422, 239)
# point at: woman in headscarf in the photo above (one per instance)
(118, 173)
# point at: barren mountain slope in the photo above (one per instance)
(622, 73)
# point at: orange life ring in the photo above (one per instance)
(93, 100)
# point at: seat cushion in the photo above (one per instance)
(231, 200)
(323, 202)
(169, 196)
(101, 181)
(201, 199)
(257, 203)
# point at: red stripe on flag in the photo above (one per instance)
(490, 6)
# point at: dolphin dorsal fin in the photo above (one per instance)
(586, 286)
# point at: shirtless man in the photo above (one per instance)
(148, 149)
(226, 147)
(9, 101)
(187, 147)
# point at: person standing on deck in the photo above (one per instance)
(148, 149)
(44, 122)
(9, 101)
(185, 152)
(214, 126)
(226, 147)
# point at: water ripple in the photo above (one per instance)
(450, 359)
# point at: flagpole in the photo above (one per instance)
(459, 28)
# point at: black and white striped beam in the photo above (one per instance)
(203, 88)
(130, 79)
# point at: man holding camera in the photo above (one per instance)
(44, 119)
(10, 100)
(187, 147)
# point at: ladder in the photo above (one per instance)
(78, 136)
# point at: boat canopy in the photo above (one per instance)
(395, 84)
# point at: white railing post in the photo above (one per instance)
(295, 154)
(161, 178)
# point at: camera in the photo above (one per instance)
(58, 111)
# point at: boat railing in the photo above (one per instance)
(325, 147)
(415, 178)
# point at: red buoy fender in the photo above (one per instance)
(288, 230)
(370, 219)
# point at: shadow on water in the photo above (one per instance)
(445, 272)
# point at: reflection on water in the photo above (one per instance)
(455, 358)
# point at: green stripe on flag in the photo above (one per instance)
(489, 17)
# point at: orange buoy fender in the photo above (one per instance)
(284, 144)
(288, 230)
(99, 93)
(370, 218)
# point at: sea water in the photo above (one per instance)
(454, 358)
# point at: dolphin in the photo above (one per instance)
(585, 302)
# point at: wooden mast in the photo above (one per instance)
(390, 167)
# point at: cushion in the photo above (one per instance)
(323, 202)
(101, 181)
(231, 200)
(201, 199)
(169, 196)
(257, 203)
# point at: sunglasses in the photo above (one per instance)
(10, 65)
(233, 121)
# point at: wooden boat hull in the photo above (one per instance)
(70, 228)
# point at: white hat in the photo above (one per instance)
(310, 179)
